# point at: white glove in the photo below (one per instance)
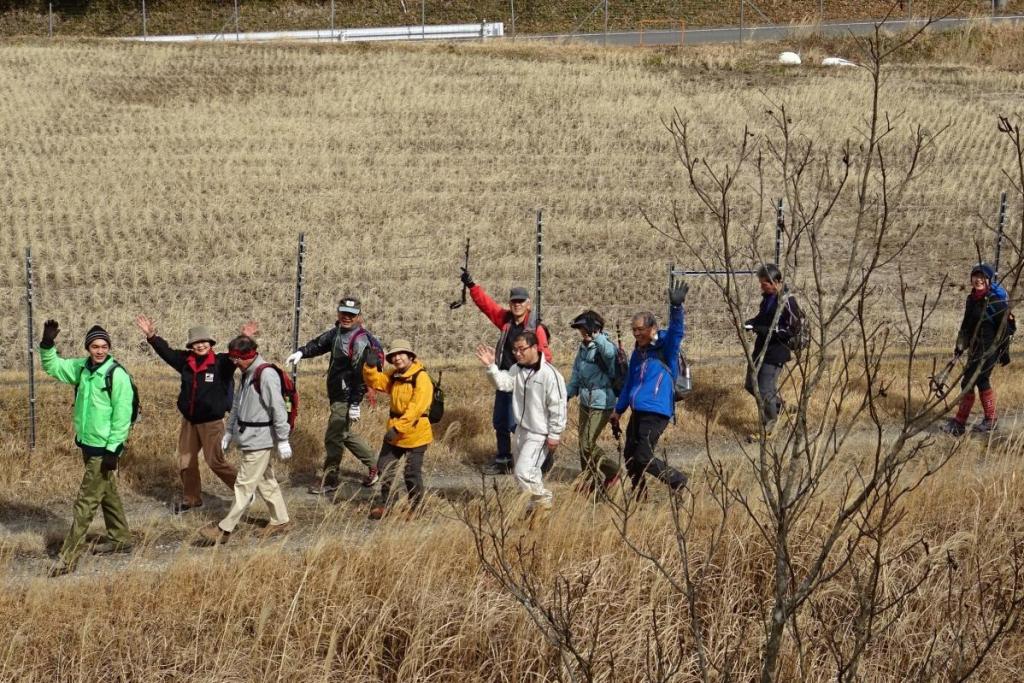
(354, 412)
(225, 443)
(293, 360)
(284, 450)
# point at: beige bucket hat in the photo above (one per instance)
(400, 346)
(199, 333)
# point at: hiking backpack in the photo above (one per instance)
(682, 383)
(796, 324)
(619, 370)
(289, 393)
(108, 386)
(436, 410)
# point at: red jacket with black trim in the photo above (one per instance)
(503, 320)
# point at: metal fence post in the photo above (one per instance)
(780, 226)
(423, 19)
(742, 3)
(540, 264)
(300, 260)
(49, 16)
(605, 41)
(144, 34)
(236, 21)
(29, 301)
(513, 4)
(332, 17)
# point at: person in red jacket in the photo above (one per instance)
(511, 321)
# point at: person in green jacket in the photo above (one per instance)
(103, 416)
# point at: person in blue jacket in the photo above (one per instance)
(593, 374)
(650, 392)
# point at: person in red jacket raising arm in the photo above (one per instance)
(511, 321)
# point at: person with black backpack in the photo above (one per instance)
(350, 346)
(204, 398)
(597, 373)
(776, 332)
(408, 431)
(259, 426)
(650, 392)
(511, 321)
(106, 403)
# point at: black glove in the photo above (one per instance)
(391, 435)
(372, 358)
(466, 278)
(51, 328)
(677, 294)
(109, 463)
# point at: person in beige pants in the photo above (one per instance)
(259, 426)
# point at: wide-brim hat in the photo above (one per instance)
(200, 333)
(400, 346)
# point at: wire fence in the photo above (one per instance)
(160, 17)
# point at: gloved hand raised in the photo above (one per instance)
(284, 450)
(109, 463)
(51, 328)
(466, 278)
(354, 412)
(677, 293)
(293, 360)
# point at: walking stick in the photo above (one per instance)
(465, 266)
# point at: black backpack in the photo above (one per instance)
(436, 410)
(108, 386)
(796, 324)
(619, 370)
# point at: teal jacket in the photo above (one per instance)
(102, 419)
(591, 379)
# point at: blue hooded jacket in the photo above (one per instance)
(653, 369)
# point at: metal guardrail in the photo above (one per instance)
(477, 31)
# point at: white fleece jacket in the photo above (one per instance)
(538, 397)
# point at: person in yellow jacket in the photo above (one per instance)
(409, 432)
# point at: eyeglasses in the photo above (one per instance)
(520, 349)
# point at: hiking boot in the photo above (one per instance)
(372, 477)
(326, 486)
(953, 427)
(985, 426)
(679, 484)
(378, 512)
(548, 464)
(60, 568)
(271, 530)
(109, 547)
(498, 468)
(211, 534)
(182, 507)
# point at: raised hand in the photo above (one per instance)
(251, 328)
(677, 293)
(51, 328)
(145, 324)
(486, 355)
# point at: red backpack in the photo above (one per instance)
(288, 391)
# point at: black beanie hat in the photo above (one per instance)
(96, 332)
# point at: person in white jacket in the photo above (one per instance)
(539, 404)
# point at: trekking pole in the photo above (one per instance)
(465, 266)
(780, 226)
(29, 300)
(300, 260)
(540, 262)
(1000, 228)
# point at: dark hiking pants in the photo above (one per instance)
(387, 464)
(642, 435)
(766, 383)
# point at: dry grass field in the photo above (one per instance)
(174, 180)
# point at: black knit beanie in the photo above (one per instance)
(96, 332)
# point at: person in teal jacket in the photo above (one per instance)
(593, 374)
(103, 417)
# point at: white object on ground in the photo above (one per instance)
(836, 61)
(789, 59)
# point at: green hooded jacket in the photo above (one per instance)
(102, 419)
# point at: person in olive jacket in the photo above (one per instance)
(104, 403)
(409, 431)
(204, 398)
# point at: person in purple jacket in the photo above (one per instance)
(650, 392)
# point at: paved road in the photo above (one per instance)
(731, 34)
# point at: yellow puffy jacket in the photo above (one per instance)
(411, 395)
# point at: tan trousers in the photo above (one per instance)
(256, 475)
(204, 437)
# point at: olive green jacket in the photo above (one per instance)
(102, 419)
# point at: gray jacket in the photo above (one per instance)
(250, 407)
